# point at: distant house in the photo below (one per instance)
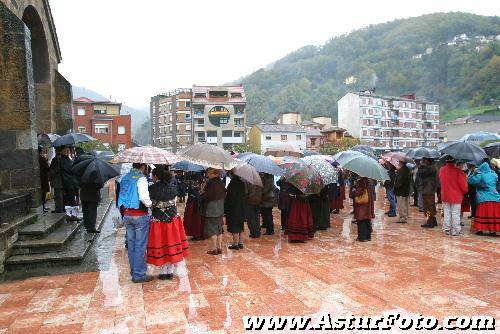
(333, 134)
(264, 136)
(315, 139)
(104, 121)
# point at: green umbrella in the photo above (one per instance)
(367, 167)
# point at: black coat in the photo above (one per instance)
(402, 182)
(427, 179)
(90, 192)
(69, 180)
(234, 204)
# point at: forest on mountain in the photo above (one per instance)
(449, 58)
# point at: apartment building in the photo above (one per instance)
(388, 122)
(171, 119)
(103, 120)
(219, 115)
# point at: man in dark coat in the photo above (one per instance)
(402, 183)
(235, 210)
(44, 176)
(427, 174)
(268, 201)
(90, 195)
(69, 184)
(55, 178)
(389, 189)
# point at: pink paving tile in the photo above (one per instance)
(43, 301)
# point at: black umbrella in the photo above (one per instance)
(71, 139)
(93, 170)
(464, 151)
(423, 152)
(493, 149)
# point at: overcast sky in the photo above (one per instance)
(133, 49)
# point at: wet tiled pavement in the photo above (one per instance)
(404, 268)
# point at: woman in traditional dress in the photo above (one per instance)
(364, 210)
(324, 208)
(487, 218)
(212, 198)
(193, 221)
(337, 199)
(235, 208)
(167, 244)
(300, 224)
(284, 200)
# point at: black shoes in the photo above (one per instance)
(430, 224)
(93, 231)
(147, 278)
(73, 219)
(234, 247)
(401, 222)
(165, 277)
(269, 233)
(389, 215)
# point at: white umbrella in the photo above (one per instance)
(209, 156)
(146, 155)
(248, 173)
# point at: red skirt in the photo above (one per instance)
(193, 221)
(487, 217)
(300, 225)
(338, 202)
(167, 242)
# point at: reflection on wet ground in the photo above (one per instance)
(405, 268)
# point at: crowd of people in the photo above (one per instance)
(158, 235)
(459, 187)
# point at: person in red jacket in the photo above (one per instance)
(453, 188)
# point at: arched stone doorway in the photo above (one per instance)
(41, 69)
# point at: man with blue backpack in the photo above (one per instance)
(134, 198)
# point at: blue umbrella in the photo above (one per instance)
(480, 136)
(261, 163)
(187, 166)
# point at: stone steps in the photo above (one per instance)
(71, 253)
(45, 225)
(53, 241)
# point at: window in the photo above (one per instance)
(100, 111)
(212, 134)
(188, 116)
(200, 122)
(268, 137)
(81, 129)
(201, 135)
(101, 128)
(81, 111)
(298, 137)
(284, 137)
(227, 133)
(218, 94)
(200, 95)
(188, 127)
(313, 141)
(121, 130)
(238, 121)
(238, 134)
(188, 104)
(233, 95)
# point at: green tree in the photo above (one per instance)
(343, 145)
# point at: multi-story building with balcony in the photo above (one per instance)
(171, 119)
(387, 122)
(104, 121)
(219, 115)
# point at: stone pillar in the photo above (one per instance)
(19, 170)
(63, 109)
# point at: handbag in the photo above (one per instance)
(362, 199)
